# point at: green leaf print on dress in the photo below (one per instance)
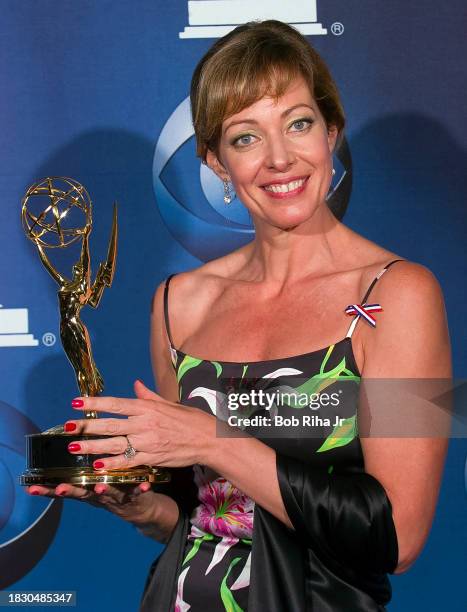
(317, 383)
(228, 600)
(218, 367)
(196, 544)
(187, 363)
(341, 435)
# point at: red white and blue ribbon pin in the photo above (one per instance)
(363, 310)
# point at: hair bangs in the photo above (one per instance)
(253, 61)
(270, 77)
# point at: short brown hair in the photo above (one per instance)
(256, 59)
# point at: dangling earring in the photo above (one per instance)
(331, 189)
(227, 194)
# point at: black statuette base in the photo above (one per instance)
(49, 463)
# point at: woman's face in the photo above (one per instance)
(278, 156)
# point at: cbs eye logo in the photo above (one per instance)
(24, 541)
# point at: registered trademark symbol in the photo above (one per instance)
(337, 28)
(48, 339)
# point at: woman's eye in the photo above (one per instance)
(301, 124)
(243, 141)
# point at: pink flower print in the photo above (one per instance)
(224, 510)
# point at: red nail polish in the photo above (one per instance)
(34, 493)
(77, 403)
(73, 447)
(70, 426)
(98, 464)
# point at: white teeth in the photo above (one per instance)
(278, 188)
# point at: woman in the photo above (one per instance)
(290, 522)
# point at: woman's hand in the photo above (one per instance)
(129, 503)
(163, 433)
(155, 514)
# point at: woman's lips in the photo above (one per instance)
(281, 195)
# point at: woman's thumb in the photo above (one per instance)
(142, 392)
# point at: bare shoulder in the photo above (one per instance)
(184, 286)
(411, 337)
(190, 293)
(401, 280)
(197, 286)
(164, 375)
(408, 283)
(194, 291)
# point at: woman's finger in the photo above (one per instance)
(104, 427)
(68, 490)
(144, 487)
(41, 490)
(143, 392)
(120, 462)
(122, 493)
(106, 446)
(115, 405)
(62, 490)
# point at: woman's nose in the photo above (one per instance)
(279, 155)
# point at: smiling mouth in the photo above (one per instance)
(286, 189)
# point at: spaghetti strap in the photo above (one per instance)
(166, 310)
(374, 281)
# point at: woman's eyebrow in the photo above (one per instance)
(254, 122)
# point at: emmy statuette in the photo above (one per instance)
(57, 212)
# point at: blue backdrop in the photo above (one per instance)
(88, 89)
